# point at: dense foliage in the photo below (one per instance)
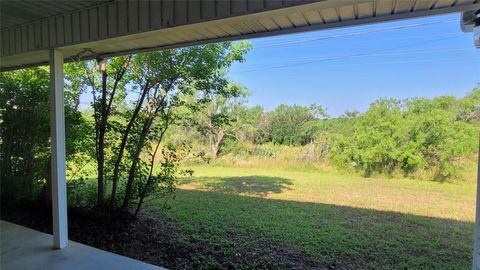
(294, 125)
(25, 131)
(135, 99)
(409, 135)
(393, 136)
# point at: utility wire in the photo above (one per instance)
(396, 53)
(354, 42)
(300, 36)
(356, 33)
(403, 62)
(346, 56)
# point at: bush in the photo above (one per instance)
(291, 125)
(408, 136)
(81, 192)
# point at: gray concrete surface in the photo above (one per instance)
(24, 249)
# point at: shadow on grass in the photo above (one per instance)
(285, 234)
(257, 185)
(252, 185)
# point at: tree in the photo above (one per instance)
(295, 125)
(25, 131)
(216, 120)
(435, 136)
(24, 94)
(470, 107)
(104, 84)
(135, 100)
(407, 135)
(249, 122)
(263, 132)
(187, 77)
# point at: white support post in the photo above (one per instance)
(57, 133)
(476, 241)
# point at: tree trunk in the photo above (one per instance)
(29, 170)
(116, 169)
(135, 159)
(6, 161)
(101, 126)
(48, 188)
(101, 139)
(216, 141)
(148, 184)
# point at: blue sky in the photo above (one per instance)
(348, 71)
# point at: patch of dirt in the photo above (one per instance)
(161, 242)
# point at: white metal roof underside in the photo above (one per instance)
(13, 12)
(127, 26)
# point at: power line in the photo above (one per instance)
(405, 62)
(356, 33)
(301, 36)
(354, 42)
(346, 56)
(406, 52)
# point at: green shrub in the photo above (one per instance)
(81, 192)
(408, 136)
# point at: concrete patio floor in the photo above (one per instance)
(24, 249)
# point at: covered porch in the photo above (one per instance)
(58, 33)
(22, 248)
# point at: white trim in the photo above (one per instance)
(57, 131)
(476, 241)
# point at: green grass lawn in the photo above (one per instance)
(267, 218)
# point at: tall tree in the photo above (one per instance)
(133, 94)
(183, 77)
(104, 78)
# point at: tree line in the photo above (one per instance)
(392, 135)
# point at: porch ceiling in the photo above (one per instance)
(13, 12)
(127, 26)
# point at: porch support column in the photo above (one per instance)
(57, 133)
(476, 241)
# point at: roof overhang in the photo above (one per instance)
(110, 28)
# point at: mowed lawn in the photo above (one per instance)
(267, 218)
